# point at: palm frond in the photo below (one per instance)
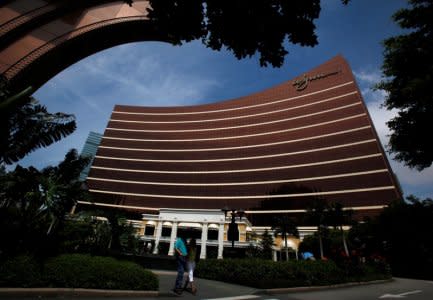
(32, 127)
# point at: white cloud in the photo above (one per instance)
(380, 116)
(406, 175)
(411, 179)
(366, 77)
(144, 75)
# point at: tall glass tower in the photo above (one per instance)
(89, 150)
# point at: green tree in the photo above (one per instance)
(21, 221)
(337, 217)
(317, 215)
(25, 125)
(33, 202)
(408, 78)
(122, 233)
(266, 244)
(364, 237)
(402, 235)
(61, 188)
(84, 232)
(284, 226)
(405, 230)
(243, 27)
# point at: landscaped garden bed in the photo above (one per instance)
(268, 274)
(76, 271)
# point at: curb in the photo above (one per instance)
(318, 288)
(54, 292)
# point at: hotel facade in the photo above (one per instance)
(268, 154)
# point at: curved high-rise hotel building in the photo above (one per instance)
(271, 152)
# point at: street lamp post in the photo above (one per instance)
(233, 227)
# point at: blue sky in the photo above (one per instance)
(158, 74)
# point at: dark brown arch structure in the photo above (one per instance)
(40, 38)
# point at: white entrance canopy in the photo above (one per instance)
(192, 215)
(195, 218)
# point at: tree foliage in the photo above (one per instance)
(32, 202)
(266, 244)
(85, 233)
(284, 226)
(25, 125)
(402, 235)
(317, 215)
(408, 72)
(60, 187)
(337, 217)
(21, 223)
(243, 27)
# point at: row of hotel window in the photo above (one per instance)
(212, 234)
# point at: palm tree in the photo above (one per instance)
(60, 186)
(266, 244)
(25, 125)
(285, 225)
(20, 219)
(29, 199)
(317, 214)
(338, 217)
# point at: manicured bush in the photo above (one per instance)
(20, 271)
(268, 274)
(85, 271)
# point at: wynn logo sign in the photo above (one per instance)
(302, 83)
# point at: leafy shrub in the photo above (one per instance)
(163, 248)
(20, 271)
(211, 251)
(85, 271)
(376, 270)
(282, 274)
(84, 234)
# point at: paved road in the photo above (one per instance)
(397, 289)
(207, 289)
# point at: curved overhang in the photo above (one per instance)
(39, 41)
(20, 17)
(45, 62)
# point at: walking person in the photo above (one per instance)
(192, 258)
(180, 253)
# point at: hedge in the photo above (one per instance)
(85, 271)
(77, 271)
(263, 274)
(21, 271)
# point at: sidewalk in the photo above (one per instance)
(207, 289)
